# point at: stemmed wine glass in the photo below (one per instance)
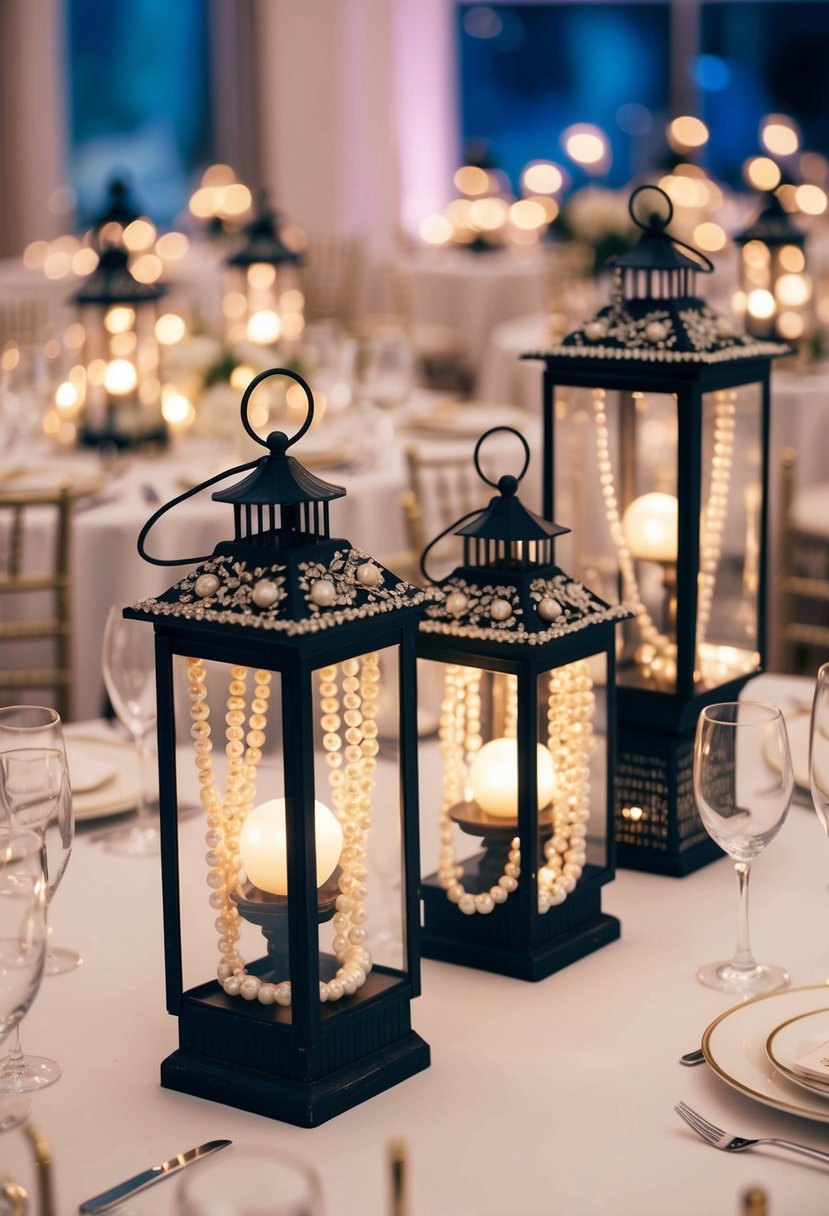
(35, 794)
(22, 940)
(129, 675)
(819, 747)
(743, 783)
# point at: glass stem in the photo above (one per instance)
(143, 762)
(15, 1065)
(743, 959)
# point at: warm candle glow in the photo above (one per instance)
(493, 776)
(264, 326)
(120, 377)
(263, 847)
(650, 527)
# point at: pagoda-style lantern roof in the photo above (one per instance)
(773, 227)
(112, 282)
(263, 241)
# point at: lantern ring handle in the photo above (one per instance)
(174, 502)
(510, 430)
(457, 524)
(277, 440)
(659, 225)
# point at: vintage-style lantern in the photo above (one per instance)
(278, 639)
(264, 303)
(773, 277)
(656, 418)
(526, 745)
(117, 386)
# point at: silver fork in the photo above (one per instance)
(730, 1143)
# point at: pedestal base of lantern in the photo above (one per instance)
(303, 1103)
(504, 943)
(658, 827)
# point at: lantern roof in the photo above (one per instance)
(773, 226)
(654, 315)
(508, 588)
(263, 241)
(282, 570)
(112, 282)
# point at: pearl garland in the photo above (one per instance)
(570, 707)
(351, 788)
(658, 652)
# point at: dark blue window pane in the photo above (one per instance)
(528, 71)
(774, 55)
(138, 99)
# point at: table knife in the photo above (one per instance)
(108, 1199)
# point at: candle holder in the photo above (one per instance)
(526, 743)
(776, 286)
(264, 303)
(669, 404)
(274, 642)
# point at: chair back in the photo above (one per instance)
(441, 490)
(30, 571)
(803, 585)
(332, 278)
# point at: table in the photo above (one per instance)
(550, 1097)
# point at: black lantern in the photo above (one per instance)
(264, 303)
(120, 393)
(526, 741)
(119, 212)
(280, 635)
(656, 419)
(775, 285)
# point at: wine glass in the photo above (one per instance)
(35, 795)
(388, 368)
(22, 940)
(129, 675)
(250, 1182)
(819, 747)
(743, 783)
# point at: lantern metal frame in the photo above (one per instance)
(262, 245)
(509, 546)
(658, 828)
(112, 285)
(307, 1063)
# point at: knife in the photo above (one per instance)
(108, 1199)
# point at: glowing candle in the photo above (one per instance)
(493, 776)
(263, 845)
(650, 527)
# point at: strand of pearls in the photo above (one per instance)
(569, 717)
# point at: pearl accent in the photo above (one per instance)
(456, 603)
(549, 609)
(724, 328)
(206, 584)
(368, 575)
(265, 593)
(594, 331)
(655, 331)
(500, 610)
(322, 593)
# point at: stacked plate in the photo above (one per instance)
(757, 1048)
(105, 775)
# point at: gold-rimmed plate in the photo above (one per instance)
(792, 1040)
(734, 1045)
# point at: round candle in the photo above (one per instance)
(650, 527)
(493, 776)
(263, 846)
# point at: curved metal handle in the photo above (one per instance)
(440, 536)
(174, 502)
(657, 224)
(493, 430)
(277, 440)
(817, 1153)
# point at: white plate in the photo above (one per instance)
(121, 793)
(467, 419)
(791, 1041)
(735, 1047)
(797, 727)
(89, 767)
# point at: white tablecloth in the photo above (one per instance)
(555, 1096)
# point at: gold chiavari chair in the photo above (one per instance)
(23, 574)
(440, 490)
(332, 278)
(803, 583)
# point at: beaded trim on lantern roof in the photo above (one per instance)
(225, 591)
(683, 330)
(572, 606)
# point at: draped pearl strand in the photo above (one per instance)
(351, 788)
(569, 738)
(661, 650)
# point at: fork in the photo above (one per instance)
(730, 1143)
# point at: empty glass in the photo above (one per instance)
(129, 675)
(819, 747)
(250, 1182)
(743, 783)
(22, 940)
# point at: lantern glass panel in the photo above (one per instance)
(625, 519)
(727, 633)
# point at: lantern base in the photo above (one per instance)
(302, 1103)
(506, 943)
(658, 827)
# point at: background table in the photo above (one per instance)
(541, 1098)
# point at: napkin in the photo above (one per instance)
(814, 1066)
